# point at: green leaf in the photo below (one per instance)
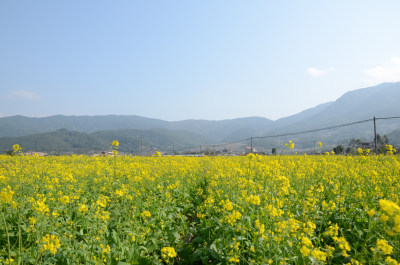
(214, 251)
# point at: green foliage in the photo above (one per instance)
(382, 140)
(339, 149)
(273, 151)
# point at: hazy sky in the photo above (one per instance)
(177, 60)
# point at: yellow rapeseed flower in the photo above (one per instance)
(115, 144)
(146, 214)
(253, 199)
(51, 243)
(371, 212)
(319, 255)
(40, 206)
(17, 148)
(389, 207)
(6, 195)
(168, 252)
(306, 242)
(305, 251)
(391, 261)
(383, 246)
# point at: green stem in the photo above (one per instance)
(8, 236)
(37, 260)
(115, 166)
(20, 189)
(19, 237)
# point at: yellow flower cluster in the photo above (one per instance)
(17, 148)
(233, 217)
(115, 144)
(168, 252)
(273, 211)
(39, 205)
(227, 205)
(391, 210)
(306, 246)
(382, 245)
(363, 152)
(308, 249)
(391, 261)
(260, 228)
(51, 243)
(105, 249)
(146, 214)
(65, 199)
(389, 149)
(253, 199)
(290, 144)
(234, 259)
(82, 208)
(319, 254)
(114, 147)
(6, 195)
(332, 231)
(343, 245)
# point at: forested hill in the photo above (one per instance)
(131, 141)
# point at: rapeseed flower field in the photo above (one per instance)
(200, 210)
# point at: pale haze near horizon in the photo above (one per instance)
(181, 60)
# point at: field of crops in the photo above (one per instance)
(200, 210)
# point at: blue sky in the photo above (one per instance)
(178, 60)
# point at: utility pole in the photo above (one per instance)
(375, 140)
(251, 144)
(200, 150)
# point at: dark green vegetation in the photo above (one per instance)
(64, 141)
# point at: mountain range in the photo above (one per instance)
(84, 133)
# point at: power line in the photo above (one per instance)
(314, 130)
(296, 133)
(388, 118)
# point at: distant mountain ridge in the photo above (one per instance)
(379, 101)
(21, 126)
(303, 115)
